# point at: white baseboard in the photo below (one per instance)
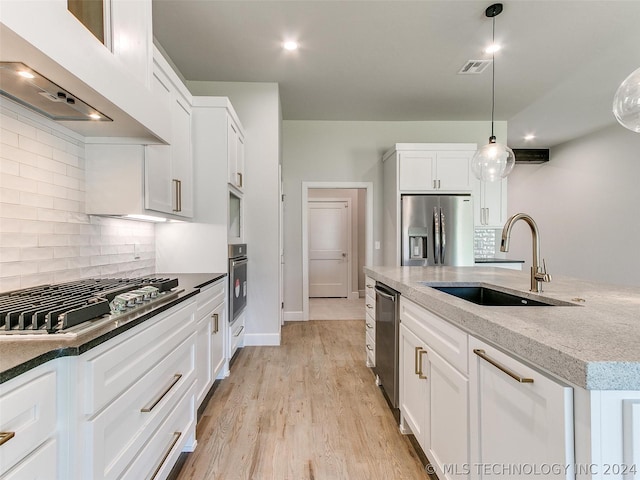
(354, 295)
(261, 339)
(293, 316)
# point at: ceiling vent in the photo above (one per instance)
(474, 67)
(531, 155)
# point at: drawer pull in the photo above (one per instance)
(417, 363)
(174, 439)
(369, 348)
(239, 331)
(176, 378)
(6, 436)
(369, 306)
(216, 328)
(482, 354)
(421, 375)
(368, 325)
(369, 286)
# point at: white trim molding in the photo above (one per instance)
(294, 316)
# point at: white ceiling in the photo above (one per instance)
(556, 75)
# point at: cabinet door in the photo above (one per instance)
(240, 163)
(181, 159)
(494, 196)
(218, 320)
(232, 152)
(204, 378)
(417, 171)
(449, 418)
(453, 172)
(413, 387)
(517, 424)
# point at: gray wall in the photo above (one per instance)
(324, 151)
(258, 107)
(586, 202)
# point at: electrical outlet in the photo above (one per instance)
(377, 245)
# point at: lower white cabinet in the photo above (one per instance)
(520, 419)
(28, 425)
(434, 394)
(370, 321)
(211, 331)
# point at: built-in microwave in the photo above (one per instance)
(235, 218)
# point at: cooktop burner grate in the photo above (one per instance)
(54, 308)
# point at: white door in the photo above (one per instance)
(329, 248)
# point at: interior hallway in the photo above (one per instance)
(308, 409)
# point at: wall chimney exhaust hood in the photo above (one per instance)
(27, 87)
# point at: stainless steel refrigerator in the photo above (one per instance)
(437, 230)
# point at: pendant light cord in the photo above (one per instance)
(493, 73)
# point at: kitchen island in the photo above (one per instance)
(547, 387)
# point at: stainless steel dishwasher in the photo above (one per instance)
(387, 334)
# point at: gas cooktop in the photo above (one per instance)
(74, 307)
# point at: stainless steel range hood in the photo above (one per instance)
(36, 92)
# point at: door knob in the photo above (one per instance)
(344, 254)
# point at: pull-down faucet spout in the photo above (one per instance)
(538, 274)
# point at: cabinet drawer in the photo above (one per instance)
(370, 325)
(28, 409)
(118, 432)
(370, 345)
(158, 456)
(210, 298)
(40, 465)
(236, 335)
(448, 341)
(369, 290)
(114, 366)
(370, 307)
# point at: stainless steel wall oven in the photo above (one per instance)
(237, 280)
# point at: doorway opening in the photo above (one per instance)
(337, 236)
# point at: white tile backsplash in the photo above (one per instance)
(484, 243)
(45, 236)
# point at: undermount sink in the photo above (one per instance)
(488, 296)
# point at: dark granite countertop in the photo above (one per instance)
(22, 354)
(497, 260)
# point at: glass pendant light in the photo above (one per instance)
(493, 161)
(626, 102)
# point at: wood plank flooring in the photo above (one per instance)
(308, 409)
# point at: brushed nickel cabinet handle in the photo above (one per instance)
(6, 436)
(369, 306)
(434, 185)
(158, 398)
(239, 331)
(239, 179)
(421, 375)
(179, 195)
(368, 325)
(215, 323)
(483, 355)
(369, 286)
(369, 347)
(176, 192)
(438, 184)
(174, 439)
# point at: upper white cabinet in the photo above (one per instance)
(518, 416)
(169, 168)
(155, 180)
(433, 167)
(235, 153)
(490, 207)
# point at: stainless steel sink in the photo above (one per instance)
(482, 295)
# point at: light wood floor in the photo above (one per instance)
(308, 409)
(336, 309)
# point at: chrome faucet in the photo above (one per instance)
(538, 275)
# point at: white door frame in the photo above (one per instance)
(346, 200)
(368, 186)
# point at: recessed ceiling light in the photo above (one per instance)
(492, 48)
(94, 116)
(530, 136)
(25, 74)
(290, 45)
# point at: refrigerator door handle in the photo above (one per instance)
(436, 236)
(444, 237)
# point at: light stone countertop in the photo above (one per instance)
(594, 344)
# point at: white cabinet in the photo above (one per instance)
(169, 168)
(211, 330)
(127, 393)
(519, 416)
(433, 170)
(28, 425)
(491, 203)
(236, 334)
(434, 388)
(235, 154)
(370, 321)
